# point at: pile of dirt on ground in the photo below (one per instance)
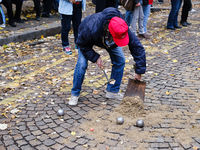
(131, 106)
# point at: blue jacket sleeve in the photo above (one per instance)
(85, 43)
(138, 53)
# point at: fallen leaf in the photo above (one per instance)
(73, 133)
(168, 93)
(175, 60)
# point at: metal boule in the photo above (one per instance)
(60, 112)
(15, 68)
(140, 123)
(120, 120)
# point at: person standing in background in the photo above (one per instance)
(70, 11)
(187, 5)
(172, 22)
(146, 10)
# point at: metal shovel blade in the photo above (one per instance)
(135, 88)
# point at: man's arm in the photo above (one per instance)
(138, 53)
(85, 43)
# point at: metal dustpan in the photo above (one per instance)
(135, 88)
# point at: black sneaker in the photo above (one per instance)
(47, 15)
(37, 18)
(12, 24)
(19, 20)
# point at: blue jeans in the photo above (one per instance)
(128, 17)
(146, 11)
(66, 24)
(173, 15)
(118, 61)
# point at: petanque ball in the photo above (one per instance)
(120, 120)
(140, 123)
(15, 68)
(60, 112)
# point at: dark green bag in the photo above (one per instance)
(127, 4)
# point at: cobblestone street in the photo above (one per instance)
(31, 96)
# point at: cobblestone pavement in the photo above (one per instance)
(31, 96)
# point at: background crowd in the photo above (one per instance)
(71, 11)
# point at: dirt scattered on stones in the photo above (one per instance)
(160, 121)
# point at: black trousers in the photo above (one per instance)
(47, 6)
(187, 5)
(102, 4)
(8, 5)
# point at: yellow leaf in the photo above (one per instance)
(1, 28)
(95, 92)
(166, 53)
(73, 133)
(42, 36)
(198, 68)
(175, 60)
(168, 93)
(195, 62)
(172, 74)
(155, 74)
(127, 61)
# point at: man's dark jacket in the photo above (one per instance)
(90, 33)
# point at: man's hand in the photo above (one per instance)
(138, 4)
(99, 62)
(138, 77)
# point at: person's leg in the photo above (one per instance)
(76, 19)
(8, 5)
(128, 17)
(112, 3)
(18, 9)
(100, 5)
(37, 8)
(66, 26)
(135, 16)
(178, 6)
(146, 11)
(79, 74)
(174, 8)
(141, 20)
(186, 8)
(47, 8)
(118, 61)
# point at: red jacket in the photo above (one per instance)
(150, 2)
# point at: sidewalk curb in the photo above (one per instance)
(33, 33)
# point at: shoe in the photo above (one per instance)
(113, 95)
(12, 24)
(37, 18)
(19, 20)
(73, 100)
(46, 15)
(148, 33)
(144, 36)
(178, 27)
(2, 25)
(171, 28)
(192, 10)
(184, 24)
(67, 50)
(188, 23)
